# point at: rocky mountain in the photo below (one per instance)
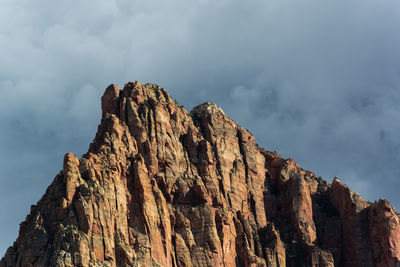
(163, 187)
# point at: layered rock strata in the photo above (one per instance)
(162, 187)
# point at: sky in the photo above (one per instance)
(314, 80)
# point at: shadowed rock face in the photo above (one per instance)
(161, 187)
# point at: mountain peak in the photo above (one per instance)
(206, 108)
(161, 187)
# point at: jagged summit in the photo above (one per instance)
(161, 187)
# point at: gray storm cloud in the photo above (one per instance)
(315, 80)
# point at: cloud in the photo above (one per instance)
(314, 80)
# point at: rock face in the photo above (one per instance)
(161, 187)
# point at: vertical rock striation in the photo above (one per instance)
(161, 187)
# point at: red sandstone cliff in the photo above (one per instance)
(161, 187)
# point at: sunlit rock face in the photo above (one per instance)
(162, 187)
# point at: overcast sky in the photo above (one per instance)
(315, 80)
